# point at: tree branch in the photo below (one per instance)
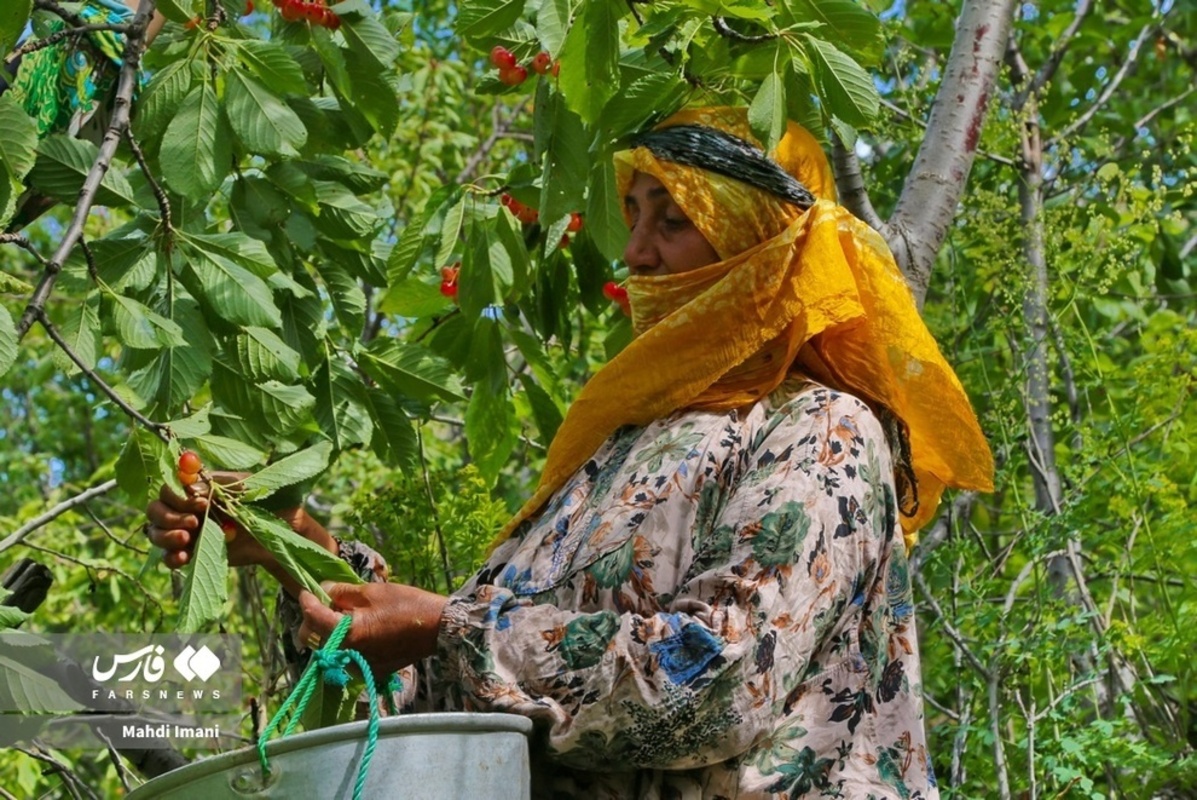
(928, 202)
(126, 85)
(725, 30)
(159, 193)
(1052, 63)
(160, 430)
(1132, 58)
(66, 505)
(40, 44)
(850, 183)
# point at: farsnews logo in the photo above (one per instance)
(150, 665)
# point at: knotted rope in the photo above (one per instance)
(332, 663)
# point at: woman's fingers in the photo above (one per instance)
(163, 516)
(196, 501)
(318, 622)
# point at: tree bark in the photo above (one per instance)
(920, 221)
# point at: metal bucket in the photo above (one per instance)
(433, 756)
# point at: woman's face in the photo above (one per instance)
(663, 239)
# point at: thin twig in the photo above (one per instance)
(1048, 68)
(952, 633)
(56, 37)
(160, 430)
(126, 86)
(159, 193)
(1132, 57)
(66, 505)
(725, 30)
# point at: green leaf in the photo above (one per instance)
(649, 96)
(394, 439)
(180, 11)
(490, 431)
(451, 232)
(238, 248)
(604, 217)
(349, 301)
(140, 328)
(411, 242)
(233, 292)
(144, 464)
(228, 453)
(274, 66)
(81, 330)
(205, 580)
(590, 58)
(121, 261)
(27, 682)
(410, 370)
(197, 150)
(845, 86)
(160, 101)
(62, 165)
(367, 36)
(295, 468)
(303, 559)
(262, 354)
(565, 163)
(552, 22)
(855, 28)
(198, 424)
(413, 298)
(14, 14)
(767, 114)
(341, 406)
(11, 617)
(18, 136)
(8, 341)
(168, 377)
(544, 411)
(263, 122)
(342, 214)
(479, 18)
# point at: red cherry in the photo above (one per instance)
(314, 13)
(575, 222)
(513, 76)
(291, 11)
(189, 461)
(506, 200)
(249, 7)
(526, 215)
(229, 528)
(188, 478)
(501, 57)
(332, 21)
(556, 69)
(449, 289)
(564, 241)
(618, 295)
(449, 274)
(541, 62)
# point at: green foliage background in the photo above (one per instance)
(318, 182)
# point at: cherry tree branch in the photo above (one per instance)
(29, 527)
(1052, 63)
(160, 430)
(928, 201)
(40, 44)
(134, 46)
(725, 30)
(849, 181)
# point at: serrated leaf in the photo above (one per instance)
(263, 122)
(160, 101)
(27, 680)
(590, 59)
(18, 136)
(140, 328)
(552, 22)
(306, 562)
(295, 468)
(340, 405)
(490, 431)
(451, 232)
(604, 218)
(62, 165)
(238, 248)
(413, 298)
(198, 424)
(180, 11)
(80, 328)
(205, 580)
(767, 114)
(544, 411)
(843, 84)
(394, 440)
(263, 355)
(233, 292)
(8, 341)
(857, 29)
(196, 150)
(13, 17)
(228, 453)
(168, 377)
(11, 617)
(478, 18)
(143, 466)
(274, 66)
(410, 370)
(366, 35)
(349, 301)
(564, 165)
(342, 214)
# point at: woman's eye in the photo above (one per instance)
(674, 223)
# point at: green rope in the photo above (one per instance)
(332, 663)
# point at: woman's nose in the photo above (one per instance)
(641, 253)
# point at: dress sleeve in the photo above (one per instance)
(772, 599)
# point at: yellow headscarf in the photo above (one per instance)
(815, 291)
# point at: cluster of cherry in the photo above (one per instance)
(313, 11)
(513, 74)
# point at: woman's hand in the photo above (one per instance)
(393, 624)
(175, 523)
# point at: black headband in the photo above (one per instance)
(716, 151)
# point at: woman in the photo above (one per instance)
(708, 594)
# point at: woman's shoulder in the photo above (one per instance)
(801, 397)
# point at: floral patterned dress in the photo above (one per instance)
(716, 605)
